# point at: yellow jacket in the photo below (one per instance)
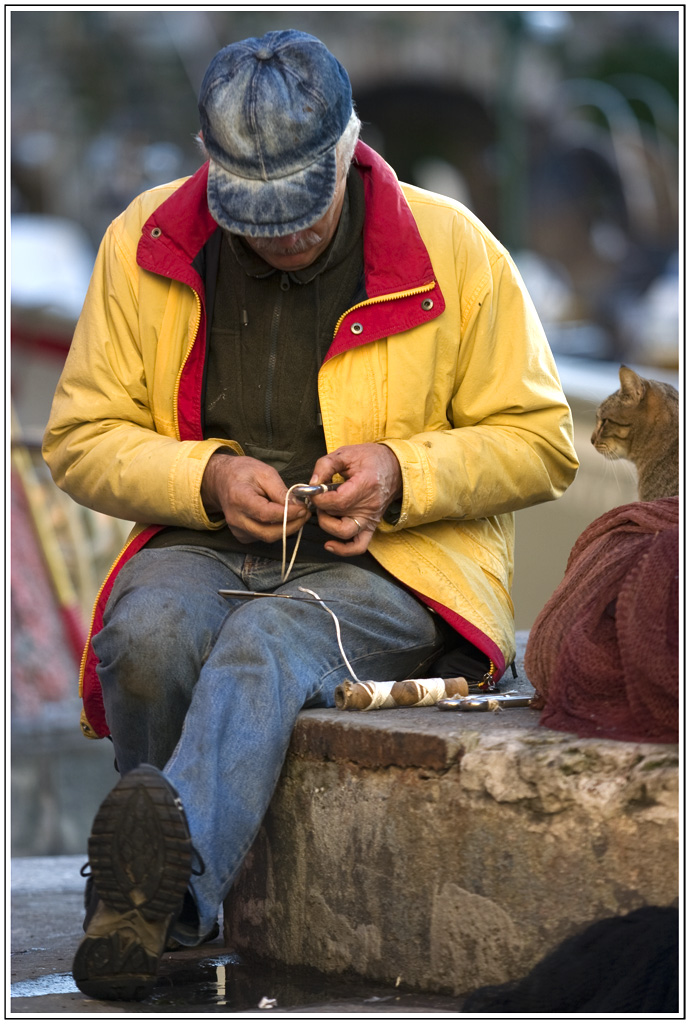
(446, 362)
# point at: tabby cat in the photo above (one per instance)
(639, 422)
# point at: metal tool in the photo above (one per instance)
(249, 595)
(488, 702)
(305, 492)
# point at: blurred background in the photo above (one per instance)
(559, 129)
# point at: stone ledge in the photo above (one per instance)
(451, 850)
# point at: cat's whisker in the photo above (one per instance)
(627, 469)
(611, 474)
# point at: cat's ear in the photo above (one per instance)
(633, 386)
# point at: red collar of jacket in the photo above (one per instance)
(401, 288)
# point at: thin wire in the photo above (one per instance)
(354, 675)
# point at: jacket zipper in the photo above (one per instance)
(272, 358)
(385, 298)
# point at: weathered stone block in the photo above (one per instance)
(451, 850)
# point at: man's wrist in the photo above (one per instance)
(396, 486)
(392, 514)
(208, 482)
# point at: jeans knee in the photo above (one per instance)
(149, 644)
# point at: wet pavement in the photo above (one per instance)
(46, 917)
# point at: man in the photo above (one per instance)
(289, 314)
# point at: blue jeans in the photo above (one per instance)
(208, 688)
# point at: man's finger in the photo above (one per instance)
(357, 546)
(246, 530)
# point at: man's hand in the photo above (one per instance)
(351, 514)
(251, 497)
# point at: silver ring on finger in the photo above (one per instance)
(359, 525)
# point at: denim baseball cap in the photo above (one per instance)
(272, 110)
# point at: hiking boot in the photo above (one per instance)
(91, 902)
(140, 852)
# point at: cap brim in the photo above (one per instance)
(271, 208)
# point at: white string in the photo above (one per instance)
(337, 631)
(284, 574)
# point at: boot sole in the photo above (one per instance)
(140, 853)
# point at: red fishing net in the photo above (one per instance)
(603, 652)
